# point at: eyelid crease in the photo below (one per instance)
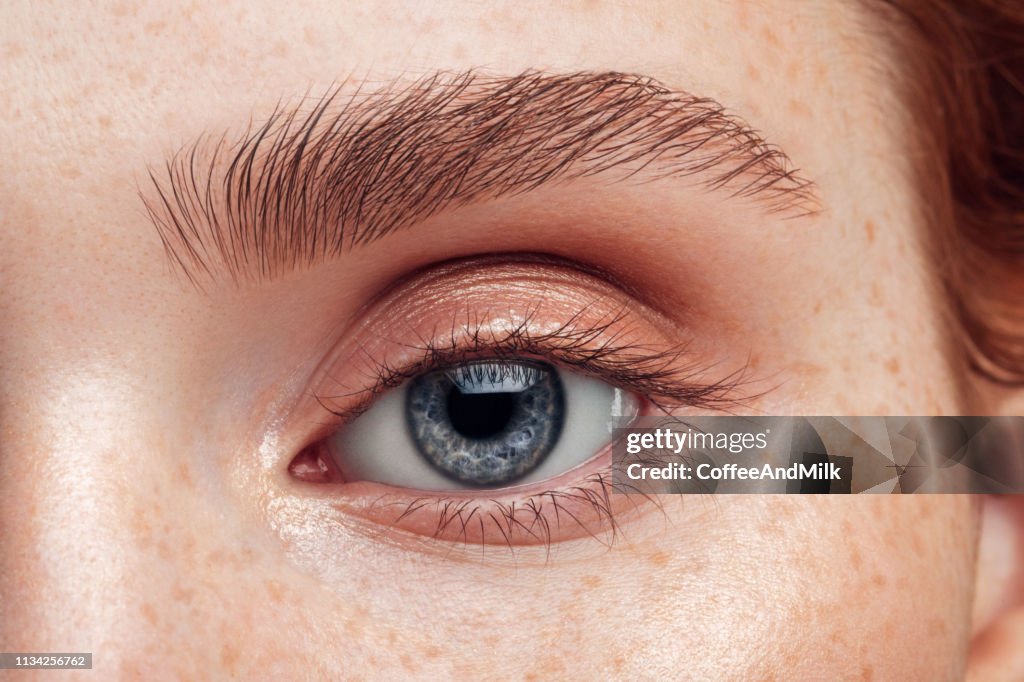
(312, 183)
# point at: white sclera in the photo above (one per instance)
(378, 446)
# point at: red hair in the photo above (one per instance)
(965, 77)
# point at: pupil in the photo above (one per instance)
(480, 415)
(486, 423)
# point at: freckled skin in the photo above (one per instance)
(136, 521)
(869, 230)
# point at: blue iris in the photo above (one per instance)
(486, 423)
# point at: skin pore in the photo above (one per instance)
(147, 508)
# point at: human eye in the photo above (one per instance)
(484, 417)
(482, 424)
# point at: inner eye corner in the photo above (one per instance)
(313, 464)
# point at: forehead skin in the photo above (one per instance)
(118, 532)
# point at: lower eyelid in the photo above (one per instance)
(576, 505)
(542, 519)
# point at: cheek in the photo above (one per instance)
(869, 587)
(883, 586)
(893, 569)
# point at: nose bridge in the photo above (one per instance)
(67, 503)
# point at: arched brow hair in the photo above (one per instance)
(318, 179)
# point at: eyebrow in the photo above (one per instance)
(318, 179)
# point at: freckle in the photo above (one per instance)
(817, 307)
(182, 595)
(893, 366)
(103, 121)
(787, 509)
(793, 70)
(876, 295)
(869, 230)
(184, 475)
(771, 37)
(856, 561)
(432, 651)
(658, 558)
(889, 629)
(155, 27)
(149, 613)
(552, 668)
(591, 581)
(140, 524)
(136, 78)
(753, 73)
(228, 655)
(743, 15)
(798, 108)
(409, 663)
(13, 50)
(769, 527)
(937, 627)
(70, 171)
(879, 581)
(353, 628)
(275, 591)
(867, 674)
(915, 544)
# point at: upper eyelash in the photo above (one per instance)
(663, 377)
(525, 373)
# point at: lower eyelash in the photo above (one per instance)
(586, 509)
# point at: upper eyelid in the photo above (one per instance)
(662, 376)
(311, 183)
